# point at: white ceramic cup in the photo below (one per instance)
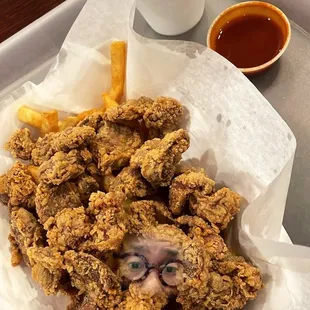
(171, 17)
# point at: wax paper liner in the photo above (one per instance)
(235, 133)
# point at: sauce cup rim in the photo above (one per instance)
(255, 3)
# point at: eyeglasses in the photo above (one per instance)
(135, 267)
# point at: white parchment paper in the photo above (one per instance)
(235, 135)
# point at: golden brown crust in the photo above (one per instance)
(219, 208)
(110, 222)
(157, 158)
(20, 186)
(47, 268)
(185, 185)
(130, 182)
(61, 167)
(164, 113)
(20, 144)
(50, 200)
(114, 145)
(26, 232)
(94, 278)
(145, 213)
(68, 229)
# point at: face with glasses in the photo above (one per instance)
(152, 264)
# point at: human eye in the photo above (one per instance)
(135, 265)
(171, 269)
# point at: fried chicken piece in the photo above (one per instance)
(93, 278)
(106, 181)
(94, 120)
(146, 213)
(130, 112)
(25, 233)
(67, 229)
(110, 225)
(43, 149)
(219, 208)
(19, 186)
(50, 199)
(20, 144)
(233, 283)
(72, 138)
(164, 113)
(199, 229)
(81, 302)
(47, 268)
(114, 145)
(135, 300)
(157, 158)
(16, 255)
(86, 185)
(4, 197)
(61, 167)
(186, 184)
(130, 182)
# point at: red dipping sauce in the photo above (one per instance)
(250, 41)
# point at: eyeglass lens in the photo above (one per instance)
(135, 267)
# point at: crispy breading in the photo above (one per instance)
(81, 302)
(94, 278)
(47, 268)
(134, 300)
(185, 185)
(130, 112)
(25, 233)
(93, 120)
(146, 213)
(219, 208)
(72, 138)
(114, 145)
(16, 255)
(68, 229)
(130, 182)
(86, 185)
(164, 113)
(232, 283)
(61, 167)
(20, 186)
(66, 140)
(43, 149)
(20, 144)
(50, 199)
(157, 158)
(110, 224)
(4, 197)
(198, 228)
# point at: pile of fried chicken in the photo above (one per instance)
(118, 172)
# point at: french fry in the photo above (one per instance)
(84, 114)
(109, 102)
(30, 116)
(49, 122)
(34, 171)
(118, 69)
(70, 121)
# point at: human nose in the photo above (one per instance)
(151, 285)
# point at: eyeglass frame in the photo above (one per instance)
(149, 267)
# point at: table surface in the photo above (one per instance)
(17, 14)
